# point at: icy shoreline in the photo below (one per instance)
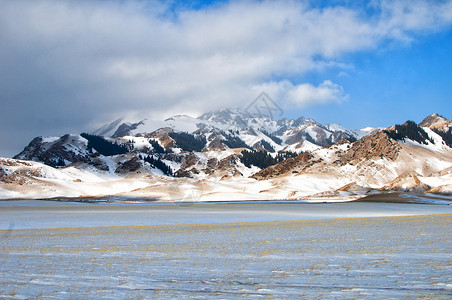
(29, 214)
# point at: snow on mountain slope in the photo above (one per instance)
(401, 158)
(25, 179)
(320, 181)
(438, 142)
(108, 129)
(357, 133)
(182, 123)
(374, 162)
(238, 124)
(66, 149)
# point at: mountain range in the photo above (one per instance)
(231, 155)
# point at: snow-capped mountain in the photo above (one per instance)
(220, 126)
(230, 155)
(56, 151)
(403, 157)
(222, 131)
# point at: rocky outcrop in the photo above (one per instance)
(189, 161)
(435, 121)
(365, 160)
(445, 190)
(186, 173)
(125, 129)
(62, 151)
(162, 135)
(290, 165)
(129, 166)
(99, 164)
(214, 137)
(18, 171)
(295, 138)
(408, 182)
(216, 143)
(212, 164)
(377, 145)
(228, 164)
(224, 167)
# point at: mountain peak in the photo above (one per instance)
(108, 129)
(223, 116)
(435, 121)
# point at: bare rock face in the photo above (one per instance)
(296, 164)
(125, 129)
(99, 164)
(211, 166)
(408, 182)
(258, 146)
(68, 148)
(2, 172)
(18, 172)
(435, 121)
(228, 164)
(214, 137)
(445, 190)
(189, 161)
(224, 167)
(215, 143)
(32, 151)
(162, 135)
(129, 166)
(297, 137)
(377, 145)
(183, 173)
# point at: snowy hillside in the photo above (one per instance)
(229, 156)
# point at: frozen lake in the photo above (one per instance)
(224, 250)
(35, 214)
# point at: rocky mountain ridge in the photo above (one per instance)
(215, 131)
(284, 133)
(406, 157)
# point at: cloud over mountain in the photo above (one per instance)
(67, 63)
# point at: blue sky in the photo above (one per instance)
(393, 84)
(71, 66)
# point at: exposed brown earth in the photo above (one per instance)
(377, 145)
(434, 121)
(129, 166)
(407, 182)
(296, 164)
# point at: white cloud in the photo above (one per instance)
(78, 61)
(399, 19)
(326, 92)
(304, 94)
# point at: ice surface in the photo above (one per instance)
(40, 214)
(220, 251)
